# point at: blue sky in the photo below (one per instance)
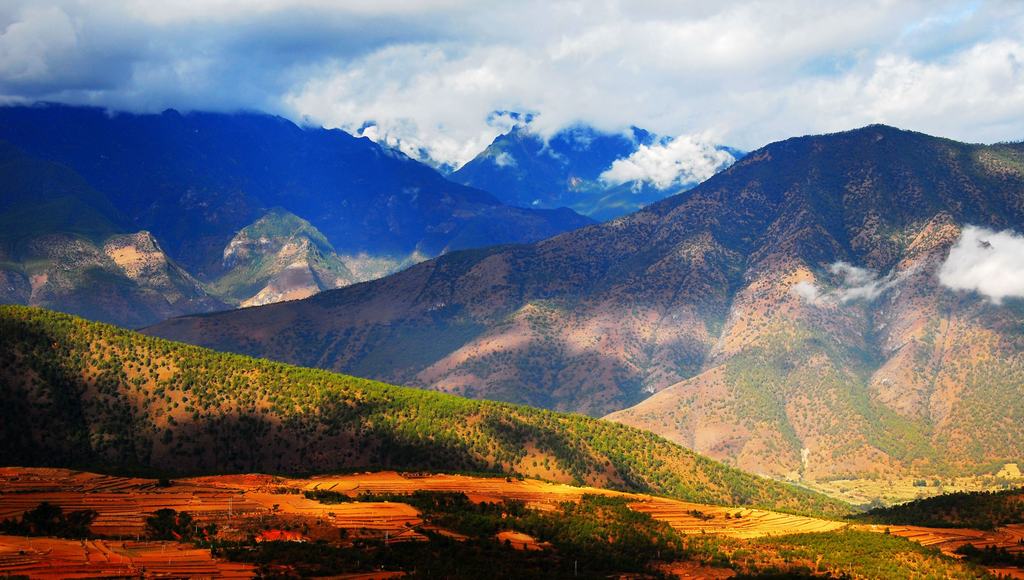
(428, 75)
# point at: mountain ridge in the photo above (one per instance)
(708, 284)
(195, 182)
(65, 245)
(194, 179)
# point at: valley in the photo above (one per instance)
(120, 399)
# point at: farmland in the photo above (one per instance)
(525, 524)
(60, 558)
(123, 503)
(893, 490)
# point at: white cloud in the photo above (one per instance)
(28, 46)
(428, 75)
(862, 283)
(852, 284)
(808, 291)
(685, 159)
(987, 262)
(503, 159)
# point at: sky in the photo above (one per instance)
(434, 77)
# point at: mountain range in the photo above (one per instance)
(199, 184)
(808, 312)
(572, 169)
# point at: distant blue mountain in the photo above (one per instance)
(196, 179)
(523, 169)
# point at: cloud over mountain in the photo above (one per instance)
(987, 262)
(428, 76)
(853, 284)
(685, 159)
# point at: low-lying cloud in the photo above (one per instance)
(854, 284)
(808, 291)
(683, 160)
(503, 159)
(987, 262)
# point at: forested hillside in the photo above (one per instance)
(980, 509)
(80, 393)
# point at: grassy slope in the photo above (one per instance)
(79, 393)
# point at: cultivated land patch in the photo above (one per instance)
(949, 540)
(894, 490)
(124, 503)
(254, 504)
(59, 558)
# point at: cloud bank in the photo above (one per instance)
(428, 75)
(987, 262)
(685, 159)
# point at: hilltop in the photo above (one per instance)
(982, 510)
(279, 257)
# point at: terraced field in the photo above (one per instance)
(244, 504)
(124, 503)
(682, 516)
(56, 558)
(691, 518)
(950, 539)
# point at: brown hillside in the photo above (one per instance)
(708, 293)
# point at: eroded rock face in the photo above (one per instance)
(280, 257)
(127, 279)
(294, 282)
(144, 262)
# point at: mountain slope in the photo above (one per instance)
(524, 169)
(982, 510)
(78, 392)
(279, 257)
(194, 180)
(63, 245)
(792, 300)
